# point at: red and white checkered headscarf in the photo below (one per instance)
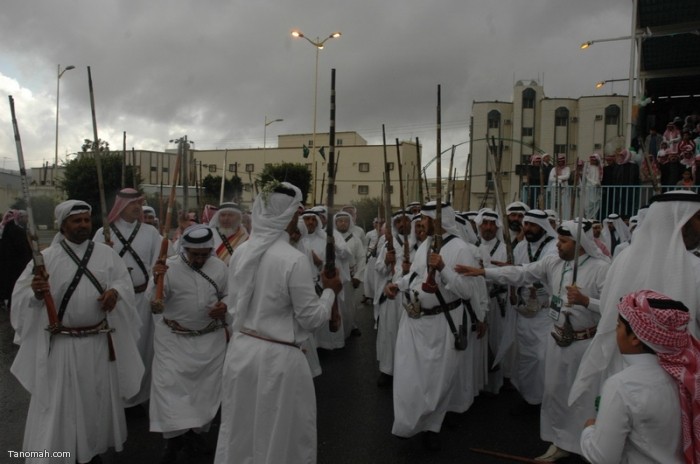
(124, 197)
(662, 324)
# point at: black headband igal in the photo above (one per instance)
(536, 215)
(667, 304)
(675, 197)
(205, 238)
(285, 190)
(81, 208)
(434, 207)
(129, 195)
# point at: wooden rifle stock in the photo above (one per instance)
(329, 268)
(406, 248)
(430, 285)
(37, 257)
(157, 305)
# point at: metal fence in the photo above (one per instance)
(598, 202)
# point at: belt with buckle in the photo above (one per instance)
(578, 335)
(254, 334)
(440, 309)
(179, 329)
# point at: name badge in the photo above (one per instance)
(555, 308)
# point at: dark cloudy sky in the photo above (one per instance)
(213, 69)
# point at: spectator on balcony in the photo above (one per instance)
(696, 171)
(686, 149)
(624, 174)
(560, 199)
(593, 174)
(652, 143)
(671, 170)
(672, 136)
(686, 179)
(535, 180)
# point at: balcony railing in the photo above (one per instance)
(599, 202)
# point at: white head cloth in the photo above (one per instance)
(656, 259)
(320, 231)
(232, 207)
(449, 225)
(271, 213)
(69, 208)
(343, 214)
(148, 210)
(570, 229)
(197, 236)
(470, 235)
(540, 218)
(517, 207)
(488, 214)
(623, 231)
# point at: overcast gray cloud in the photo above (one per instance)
(213, 69)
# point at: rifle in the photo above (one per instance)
(157, 305)
(430, 285)
(406, 249)
(420, 185)
(37, 257)
(498, 187)
(329, 268)
(98, 165)
(388, 235)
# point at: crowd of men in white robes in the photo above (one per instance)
(244, 311)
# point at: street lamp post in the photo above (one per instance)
(267, 123)
(318, 44)
(59, 73)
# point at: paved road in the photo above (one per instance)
(354, 417)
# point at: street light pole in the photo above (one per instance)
(267, 123)
(59, 73)
(318, 44)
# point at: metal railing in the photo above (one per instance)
(599, 201)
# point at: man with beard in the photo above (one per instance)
(516, 212)
(149, 216)
(228, 231)
(356, 230)
(77, 373)
(343, 225)
(575, 310)
(189, 344)
(431, 377)
(615, 232)
(500, 317)
(138, 245)
(533, 324)
(15, 253)
(388, 306)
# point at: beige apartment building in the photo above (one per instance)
(533, 123)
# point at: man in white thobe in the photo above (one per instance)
(138, 244)
(189, 344)
(268, 413)
(80, 372)
(432, 377)
(575, 279)
(228, 231)
(352, 289)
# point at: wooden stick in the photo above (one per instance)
(510, 457)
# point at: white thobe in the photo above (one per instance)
(430, 375)
(147, 245)
(269, 408)
(560, 423)
(639, 418)
(186, 384)
(370, 282)
(77, 392)
(532, 331)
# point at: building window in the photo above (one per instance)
(528, 98)
(527, 131)
(390, 166)
(561, 117)
(250, 167)
(232, 167)
(310, 144)
(612, 115)
(560, 148)
(597, 146)
(212, 168)
(165, 169)
(339, 142)
(364, 167)
(363, 189)
(494, 119)
(154, 168)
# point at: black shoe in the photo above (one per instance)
(171, 450)
(524, 409)
(195, 445)
(431, 441)
(384, 380)
(355, 332)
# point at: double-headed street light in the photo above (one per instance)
(318, 45)
(59, 73)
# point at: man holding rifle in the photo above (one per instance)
(138, 245)
(575, 280)
(80, 369)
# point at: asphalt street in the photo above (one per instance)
(354, 417)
